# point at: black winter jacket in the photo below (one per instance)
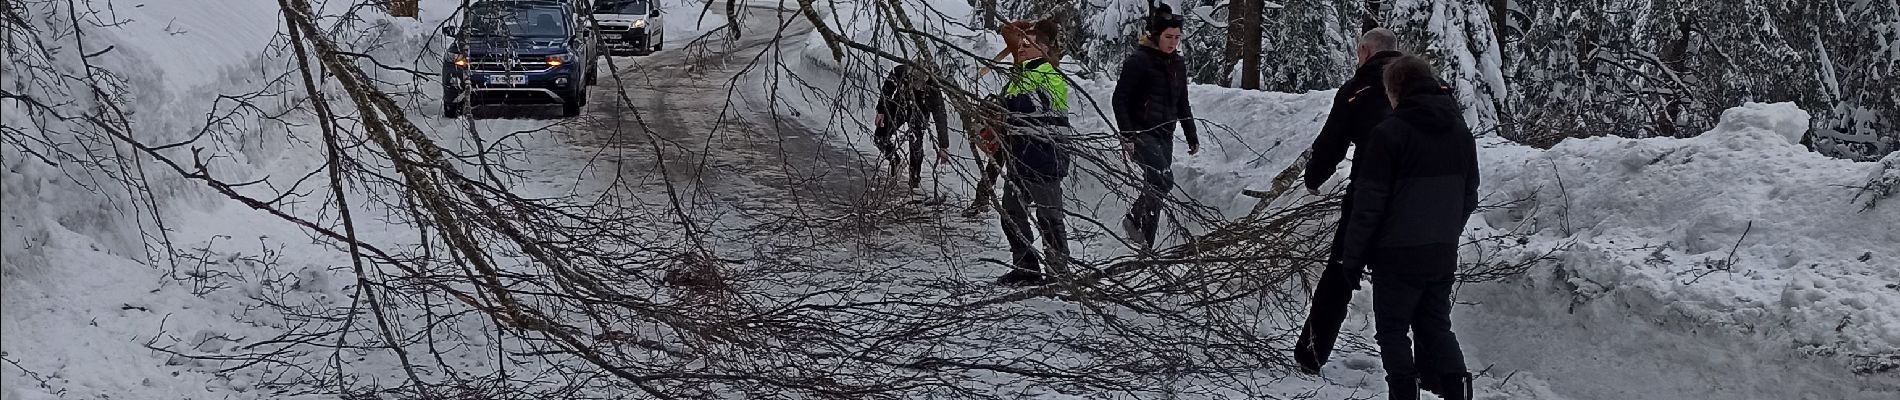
(1358, 106)
(899, 104)
(1416, 183)
(1151, 96)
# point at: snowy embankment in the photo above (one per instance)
(91, 293)
(1736, 264)
(87, 282)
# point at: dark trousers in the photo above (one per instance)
(1331, 300)
(1419, 305)
(1154, 157)
(1024, 196)
(885, 137)
(985, 186)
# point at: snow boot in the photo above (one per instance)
(1455, 386)
(974, 210)
(1022, 277)
(1428, 382)
(1303, 354)
(1402, 389)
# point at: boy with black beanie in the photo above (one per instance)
(1150, 100)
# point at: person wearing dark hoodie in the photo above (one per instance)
(1359, 105)
(909, 98)
(1036, 131)
(1416, 184)
(1150, 99)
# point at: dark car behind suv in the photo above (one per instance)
(518, 52)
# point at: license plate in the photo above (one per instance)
(507, 79)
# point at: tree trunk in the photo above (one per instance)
(1500, 11)
(1371, 20)
(987, 8)
(1236, 39)
(403, 8)
(1250, 43)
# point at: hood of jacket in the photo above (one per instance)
(1429, 107)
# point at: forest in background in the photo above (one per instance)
(1538, 72)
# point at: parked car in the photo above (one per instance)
(630, 26)
(518, 52)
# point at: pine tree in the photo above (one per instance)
(1457, 36)
(1110, 29)
(1308, 44)
(1670, 67)
(1862, 70)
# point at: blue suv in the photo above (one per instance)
(518, 52)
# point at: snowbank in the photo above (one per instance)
(1736, 264)
(90, 294)
(88, 284)
(1732, 264)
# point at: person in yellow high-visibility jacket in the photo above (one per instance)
(1035, 131)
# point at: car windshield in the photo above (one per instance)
(516, 21)
(631, 7)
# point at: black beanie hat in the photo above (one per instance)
(1162, 18)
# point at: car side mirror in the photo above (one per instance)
(654, 14)
(449, 30)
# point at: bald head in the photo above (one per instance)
(1375, 41)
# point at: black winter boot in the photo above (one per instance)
(1433, 385)
(1455, 386)
(1403, 389)
(1021, 277)
(1132, 231)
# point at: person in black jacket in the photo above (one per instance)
(1417, 184)
(1150, 99)
(908, 98)
(1359, 105)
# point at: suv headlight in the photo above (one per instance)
(461, 61)
(639, 23)
(555, 61)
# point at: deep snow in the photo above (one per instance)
(89, 294)
(1730, 265)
